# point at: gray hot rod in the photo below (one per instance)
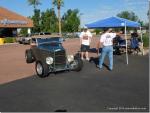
(50, 56)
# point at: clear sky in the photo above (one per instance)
(91, 10)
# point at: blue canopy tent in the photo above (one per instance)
(115, 22)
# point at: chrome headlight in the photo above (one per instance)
(70, 58)
(49, 60)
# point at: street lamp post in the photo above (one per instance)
(149, 18)
(81, 14)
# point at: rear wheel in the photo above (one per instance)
(29, 56)
(76, 65)
(41, 70)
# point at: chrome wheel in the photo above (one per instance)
(39, 69)
(74, 64)
(26, 56)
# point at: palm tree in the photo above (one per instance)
(36, 17)
(53, 4)
(59, 4)
(34, 3)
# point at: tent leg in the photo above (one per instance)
(142, 40)
(126, 44)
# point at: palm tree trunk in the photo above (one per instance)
(53, 4)
(59, 21)
(34, 7)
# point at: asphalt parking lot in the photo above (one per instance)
(126, 88)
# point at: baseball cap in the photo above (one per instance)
(85, 27)
(110, 29)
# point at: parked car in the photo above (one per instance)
(42, 33)
(24, 39)
(50, 56)
(71, 35)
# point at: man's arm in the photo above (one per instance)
(119, 33)
(90, 39)
(80, 40)
(81, 35)
(99, 45)
(90, 36)
(101, 41)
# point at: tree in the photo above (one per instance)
(59, 4)
(148, 13)
(71, 20)
(35, 3)
(53, 4)
(36, 17)
(24, 31)
(48, 21)
(36, 21)
(141, 22)
(128, 15)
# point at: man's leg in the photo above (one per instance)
(87, 55)
(110, 55)
(82, 55)
(102, 56)
(87, 47)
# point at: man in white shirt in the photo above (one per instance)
(85, 40)
(106, 42)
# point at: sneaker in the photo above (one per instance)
(110, 69)
(82, 58)
(98, 67)
(87, 59)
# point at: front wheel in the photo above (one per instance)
(41, 70)
(29, 56)
(76, 65)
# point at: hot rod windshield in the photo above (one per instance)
(52, 39)
(50, 45)
(53, 44)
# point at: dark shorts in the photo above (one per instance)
(84, 48)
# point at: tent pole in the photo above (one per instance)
(126, 43)
(141, 40)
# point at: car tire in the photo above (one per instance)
(77, 56)
(41, 70)
(76, 65)
(29, 56)
(20, 42)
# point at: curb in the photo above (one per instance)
(146, 52)
(8, 44)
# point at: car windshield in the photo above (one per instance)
(50, 45)
(43, 40)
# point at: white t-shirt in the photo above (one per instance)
(107, 39)
(85, 38)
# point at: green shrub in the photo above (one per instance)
(146, 40)
(9, 40)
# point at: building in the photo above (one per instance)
(10, 22)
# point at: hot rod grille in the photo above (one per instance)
(60, 57)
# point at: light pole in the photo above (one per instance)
(81, 14)
(52, 4)
(149, 20)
